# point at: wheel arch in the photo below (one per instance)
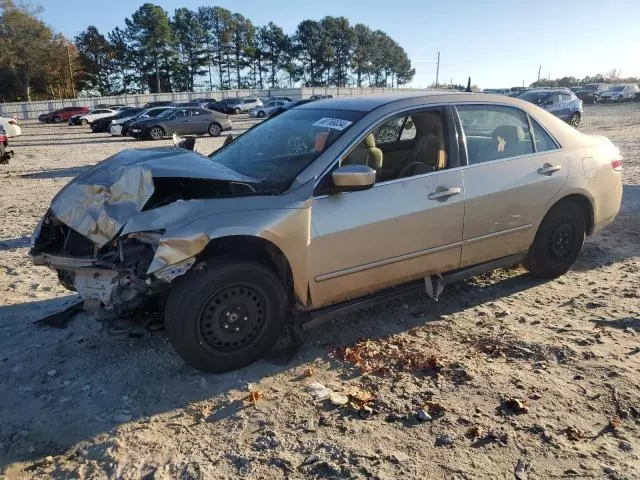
(585, 203)
(261, 250)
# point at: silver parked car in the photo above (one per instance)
(267, 109)
(305, 213)
(244, 104)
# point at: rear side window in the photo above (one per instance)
(566, 97)
(494, 132)
(543, 141)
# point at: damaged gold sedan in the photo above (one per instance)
(313, 210)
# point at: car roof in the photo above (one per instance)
(371, 102)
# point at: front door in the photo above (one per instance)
(511, 177)
(401, 229)
(179, 123)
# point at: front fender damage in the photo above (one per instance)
(100, 233)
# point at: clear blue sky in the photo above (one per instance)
(499, 43)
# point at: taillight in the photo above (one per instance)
(616, 165)
(12, 122)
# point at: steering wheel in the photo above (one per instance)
(407, 169)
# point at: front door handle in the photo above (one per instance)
(548, 169)
(442, 193)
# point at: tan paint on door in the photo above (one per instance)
(358, 237)
(505, 201)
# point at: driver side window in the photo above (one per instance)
(404, 146)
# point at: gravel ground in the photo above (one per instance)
(505, 377)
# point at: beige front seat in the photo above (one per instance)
(429, 154)
(366, 153)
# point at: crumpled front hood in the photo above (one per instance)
(99, 202)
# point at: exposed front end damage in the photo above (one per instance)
(100, 236)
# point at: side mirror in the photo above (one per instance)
(549, 102)
(350, 178)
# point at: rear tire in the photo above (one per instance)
(56, 119)
(84, 122)
(226, 315)
(237, 111)
(558, 241)
(260, 114)
(574, 121)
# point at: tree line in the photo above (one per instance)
(208, 48)
(612, 76)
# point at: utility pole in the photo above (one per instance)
(73, 87)
(438, 70)
(539, 70)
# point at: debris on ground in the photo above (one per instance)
(514, 405)
(319, 392)
(62, 318)
(520, 471)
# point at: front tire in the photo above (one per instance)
(260, 114)
(84, 122)
(215, 130)
(558, 241)
(226, 315)
(237, 111)
(57, 119)
(156, 133)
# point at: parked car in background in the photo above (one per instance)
(160, 103)
(561, 102)
(10, 126)
(267, 108)
(94, 115)
(80, 118)
(121, 127)
(320, 97)
(619, 93)
(187, 104)
(275, 222)
(62, 114)
(242, 105)
(286, 99)
(103, 124)
(5, 154)
(182, 121)
(204, 101)
(222, 106)
(590, 93)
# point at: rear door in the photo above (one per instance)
(553, 104)
(567, 106)
(199, 121)
(513, 171)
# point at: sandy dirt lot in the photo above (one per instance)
(505, 377)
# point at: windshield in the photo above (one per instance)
(535, 97)
(617, 88)
(276, 151)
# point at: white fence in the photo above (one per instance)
(29, 110)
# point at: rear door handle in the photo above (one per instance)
(549, 169)
(442, 193)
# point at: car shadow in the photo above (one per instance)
(619, 323)
(56, 173)
(84, 379)
(14, 243)
(618, 241)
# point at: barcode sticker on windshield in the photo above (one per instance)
(335, 123)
